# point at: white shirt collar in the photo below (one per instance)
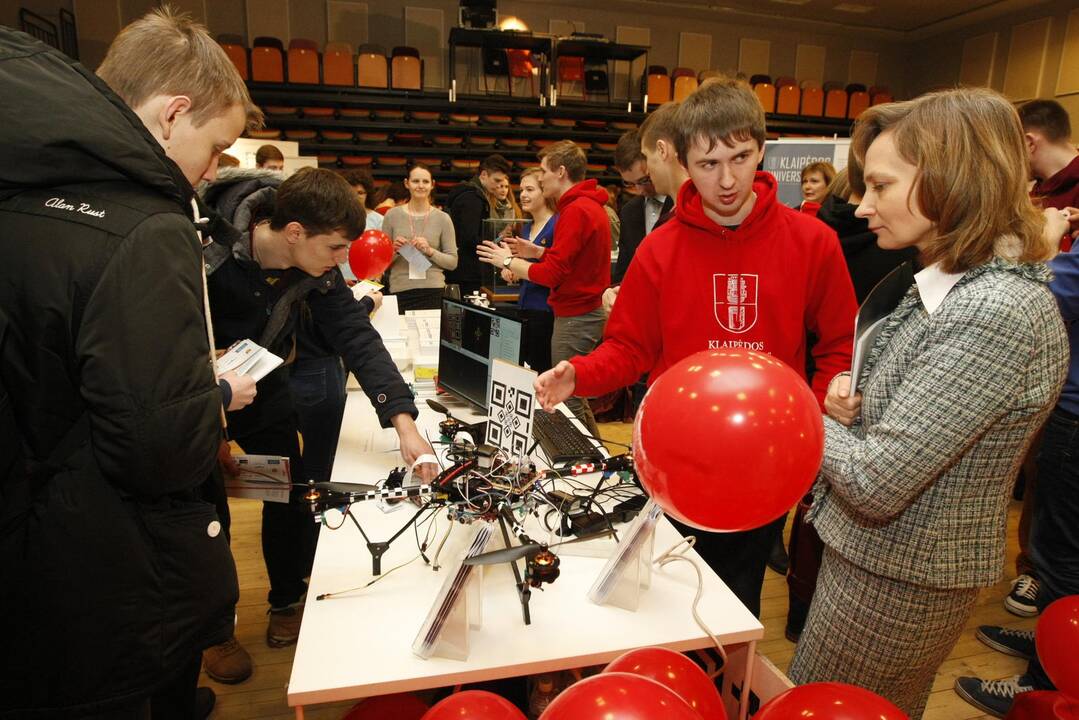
(934, 285)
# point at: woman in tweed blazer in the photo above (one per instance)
(912, 501)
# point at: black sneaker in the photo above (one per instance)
(993, 697)
(1023, 599)
(1019, 643)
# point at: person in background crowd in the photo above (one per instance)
(816, 177)
(503, 205)
(533, 298)
(364, 185)
(639, 214)
(428, 231)
(1054, 167)
(391, 196)
(576, 267)
(728, 225)
(611, 208)
(268, 157)
(227, 161)
(912, 502)
(468, 205)
(114, 572)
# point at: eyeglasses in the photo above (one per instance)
(630, 184)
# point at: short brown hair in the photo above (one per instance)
(266, 153)
(567, 154)
(824, 168)
(356, 177)
(321, 201)
(660, 125)
(971, 182)
(495, 164)
(1047, 117)
(628, 150)
(551, 204)
(720, 110)
(168, 53)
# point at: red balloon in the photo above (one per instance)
(1043, 705)
(402, 706)
(677, 672)
(370, 254)
(474, 705)
(1056, 638)
(728, 440)
(618, 696)
(829, 701)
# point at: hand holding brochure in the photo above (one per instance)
(246, 357)
(878, 305)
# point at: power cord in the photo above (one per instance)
(675, 553)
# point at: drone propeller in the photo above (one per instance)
(438, 407)
(344, 488)
(517, 552)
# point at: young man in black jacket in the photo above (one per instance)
(468, 207)
(259, 281)
(114, 573)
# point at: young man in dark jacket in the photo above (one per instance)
(468, 207)
(259, 282)
(114, 573)
(577, 267)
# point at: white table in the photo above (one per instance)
(359, 645)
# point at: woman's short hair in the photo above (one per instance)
(321, 201)
(971, 182)
(826, 170)
(168, 53)
(551, 204)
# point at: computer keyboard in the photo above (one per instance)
(562, 442)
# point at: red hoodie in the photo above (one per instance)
(694, 285)
(577, 266)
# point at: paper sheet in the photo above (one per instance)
(417, 263)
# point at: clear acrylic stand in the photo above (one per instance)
(629, 569)
(457, 607)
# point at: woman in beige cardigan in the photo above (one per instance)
(918, 466)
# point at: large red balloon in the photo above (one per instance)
(402, 706)
(728, 440)
(677, 672)
(474, 705)
(829, 701)
(1043, 705)
(1056, 638)
(618, 696)
(370, 254)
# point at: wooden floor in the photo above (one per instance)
(263, 695)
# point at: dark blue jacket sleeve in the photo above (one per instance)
(1065, 283)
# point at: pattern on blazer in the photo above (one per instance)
(919, 490)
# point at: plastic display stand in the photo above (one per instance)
(458, 606)
(628, 571)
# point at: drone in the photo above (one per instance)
(483, 485)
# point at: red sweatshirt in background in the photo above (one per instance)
(694, 285)
(577, 266)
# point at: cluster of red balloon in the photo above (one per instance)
(728, 440)
(1055, 639)
(370, 254)
(829, 701)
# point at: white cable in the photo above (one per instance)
(670, 556)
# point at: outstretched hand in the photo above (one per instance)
(555, 385)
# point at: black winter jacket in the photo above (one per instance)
(266, 306)
(468, 207)
(113, 574)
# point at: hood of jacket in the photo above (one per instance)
(241, 195)
(853, 232)
(472, 186)
(690, 207)
(63, 126)
(585, 189)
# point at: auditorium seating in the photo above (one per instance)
(267, 60)
(372, 69)
(685, 82)
(234, 47)
(303, 61)
(406, 69)
(657, 85)
(338, 67)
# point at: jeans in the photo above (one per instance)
(268, 426)
(1054, 529)
(573, 336)
(318, 394)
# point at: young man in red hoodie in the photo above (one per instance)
(577, 266)
(733, 269)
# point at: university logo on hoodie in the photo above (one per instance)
(735, 296)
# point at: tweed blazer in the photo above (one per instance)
(919, 490)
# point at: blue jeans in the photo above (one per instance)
(318, 394)
(1054, 530)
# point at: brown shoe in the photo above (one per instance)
(228, 662)
(284, 627)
